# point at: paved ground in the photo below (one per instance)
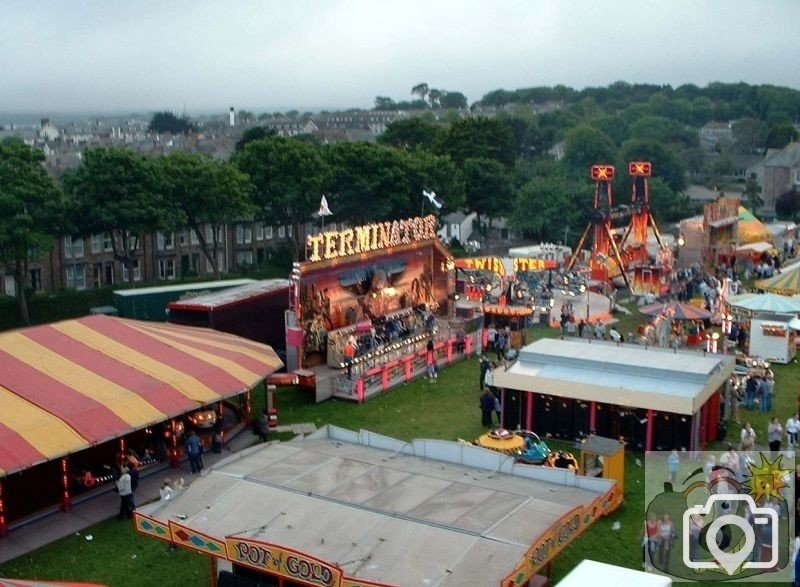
(106, 505)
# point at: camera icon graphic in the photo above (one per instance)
(732, 560)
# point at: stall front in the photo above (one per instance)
(376, 286)
(344, 508)
(656, 399)
(76, 396)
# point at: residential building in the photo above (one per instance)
(781, 174)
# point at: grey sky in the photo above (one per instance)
(85, 55)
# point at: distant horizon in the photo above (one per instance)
(34, 116)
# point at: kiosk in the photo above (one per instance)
(772, 338)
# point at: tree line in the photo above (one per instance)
(496, 167)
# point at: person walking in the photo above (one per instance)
(487, 407)
(484, 364)
(774, 436)
(748, 438)
(430, 359)
(125, 493)
(194, 449)
(263, 425)
(792, 428)
(488, 378)
(673, 462)
(498, 410)
(500, 346)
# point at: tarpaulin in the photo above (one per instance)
(69, 385)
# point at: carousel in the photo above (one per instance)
(674, 321)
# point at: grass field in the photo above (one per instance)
(447, 409)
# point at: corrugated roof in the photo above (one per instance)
(217, 299)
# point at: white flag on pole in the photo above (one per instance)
(324, 210)
(433, 199)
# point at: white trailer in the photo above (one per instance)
(772, 338)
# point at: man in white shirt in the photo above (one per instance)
(614, 335)
(792, 428)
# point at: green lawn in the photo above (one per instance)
(447, 409)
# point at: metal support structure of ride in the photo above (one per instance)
(604, 247)
(634, 240)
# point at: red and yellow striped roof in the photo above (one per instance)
(68, 385)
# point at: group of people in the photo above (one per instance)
(498, 340)
(658, 538)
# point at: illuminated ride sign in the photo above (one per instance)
(640, 168)
(495, 264)
(371, 237)
(602, 172)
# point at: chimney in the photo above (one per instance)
(231, 118)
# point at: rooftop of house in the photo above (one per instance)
(789, 156)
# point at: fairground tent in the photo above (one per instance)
(785, 284)
(70, 385)
(751, 230)
(750, 303)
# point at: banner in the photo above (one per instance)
(283, 562)
(559, 535)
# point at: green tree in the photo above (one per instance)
(549, 205)
(435, 96)
(167, 122)
(384, 103)
(787, 205)
(438, 174)
(585, 146)
(481, 138)
(666, 164)
(31, 210)
(665, 130)
(204, 193)
(488, 189)
(253, 134)
(781, 135)
(454, 100)
(421, 90)
(413, 133)
(369, 182)
(613, 126)
(666, 204)
(752, 193)
(115, 192)
(750, 135)
(289, 177)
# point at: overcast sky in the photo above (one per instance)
(207, 55)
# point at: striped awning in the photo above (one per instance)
(69, 385)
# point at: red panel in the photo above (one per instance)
(15, 451)
(89, 418)
(244, 360)
(217, 379)
(157, 393)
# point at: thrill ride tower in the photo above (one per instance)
(605, 262)
(647, 276)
